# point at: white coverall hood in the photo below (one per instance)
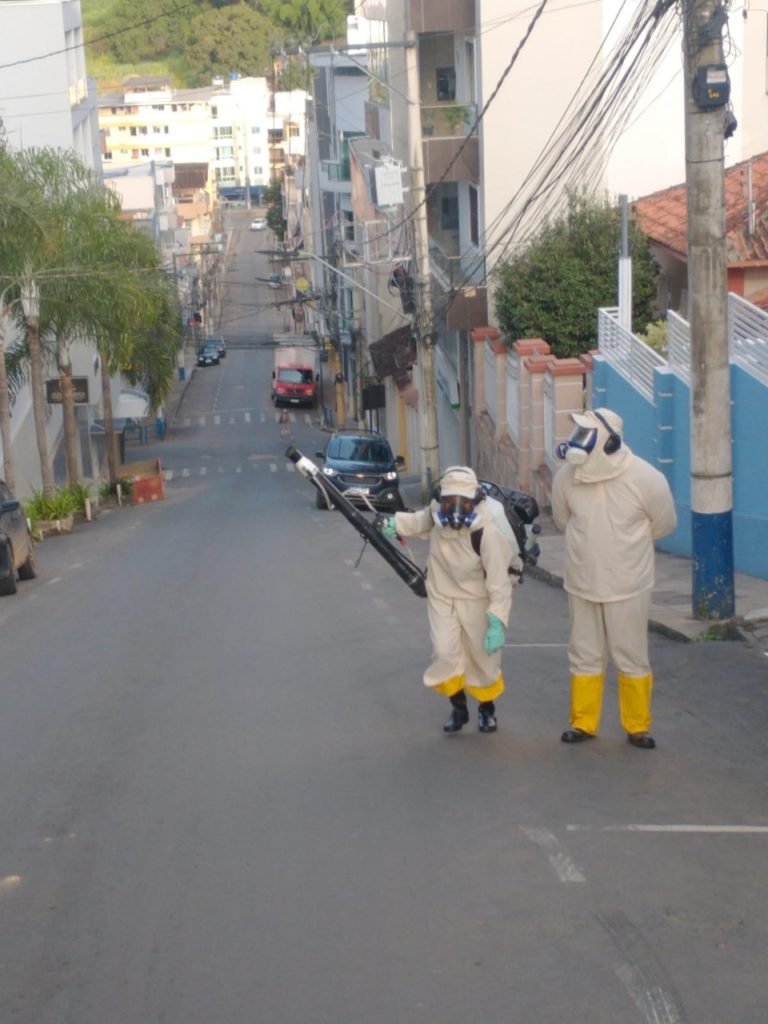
(600, 466)
(456, 480)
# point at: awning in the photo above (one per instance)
(131, 405)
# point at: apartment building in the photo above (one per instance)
(233, 127)
(47, 100)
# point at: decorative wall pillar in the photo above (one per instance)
(563, 395)
(520, 351)
(478, 336)
(535, 367)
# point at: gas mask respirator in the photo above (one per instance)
(456, 511)
(577, 448)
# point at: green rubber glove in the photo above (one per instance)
(388, 529)
(494, 635)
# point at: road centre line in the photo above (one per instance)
(680, 829)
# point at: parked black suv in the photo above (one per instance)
(17, 549)
(361, 463)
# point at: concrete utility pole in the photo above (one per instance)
(707, 91)
(430, 467)
(625, 269)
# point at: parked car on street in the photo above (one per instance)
(208, 355)
(258, 223)
(220, 344)
(361, 464)
(17, 549)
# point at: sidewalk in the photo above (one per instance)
(671, 599)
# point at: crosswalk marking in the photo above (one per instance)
(233, 417)
(216, 420)
(247, 417)
(192, 471)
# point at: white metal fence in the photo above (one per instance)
(632, 358)
(747, 343)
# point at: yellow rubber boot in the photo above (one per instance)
(635, 703)
(586, 702)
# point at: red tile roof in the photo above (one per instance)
(664, 219)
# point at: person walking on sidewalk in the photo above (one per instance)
(469, 592)
(612, 506)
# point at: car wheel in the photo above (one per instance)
(7, 581)
(28, 569)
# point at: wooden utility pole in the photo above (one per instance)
(430, 462)
(707, 89)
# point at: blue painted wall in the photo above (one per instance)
(660, 432)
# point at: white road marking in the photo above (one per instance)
(695, 829)
(366, 585)
(239, 469)
(273, 467)
(185, 472)
(201, 421)
(54, 579)
(231, 420)
(563, 866)
(289, 467)
(187, 422)
(168, 474)
(203, 470)
(216, 420)
(247, 417)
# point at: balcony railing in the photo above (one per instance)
(462, 271)
(448, 120)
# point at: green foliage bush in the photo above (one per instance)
(553, 288)
(59, 505)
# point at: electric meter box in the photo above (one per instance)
(711, 86)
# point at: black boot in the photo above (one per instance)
(486, 716)
(459, 716)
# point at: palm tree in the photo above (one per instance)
(22, 217)
(91, 278)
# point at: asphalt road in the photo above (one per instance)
(226, 797)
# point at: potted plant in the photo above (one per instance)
(456, 116)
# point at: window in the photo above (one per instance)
(157, 130)
(446, 84)
(449, 213)
(144, 152)
(214, 111)
(474, 222)
(256, 130)
(133, 131)
(167, 150)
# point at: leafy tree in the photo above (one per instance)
(309, 20)
(231, 38)
(554, 287)
(273, 200)
(95, 279)
(23, 217)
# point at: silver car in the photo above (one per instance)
(17, 549)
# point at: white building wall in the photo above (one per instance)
(45, 101)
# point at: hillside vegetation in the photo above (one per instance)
(192, 40)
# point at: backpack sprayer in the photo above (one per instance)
(407, 570)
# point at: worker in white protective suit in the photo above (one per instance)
(469, 591)
(612, 506)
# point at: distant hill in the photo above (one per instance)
(193, 40)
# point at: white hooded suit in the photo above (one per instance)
(461, 588)
(612, 509)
